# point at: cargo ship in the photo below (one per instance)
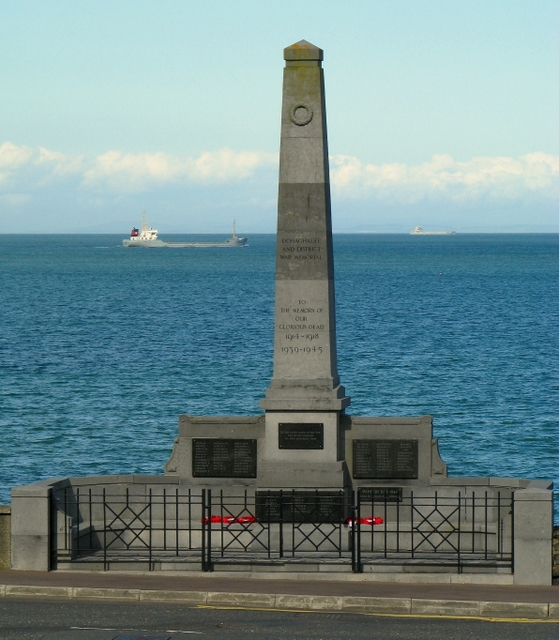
(148, 237)
(418, 231)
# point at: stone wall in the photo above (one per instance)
(32, 526)
(5, 537)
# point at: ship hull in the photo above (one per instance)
(432, 233)
(239, 242)
(144, 243)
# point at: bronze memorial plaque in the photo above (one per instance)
(223, 458)
(301, 435)
(385, 459)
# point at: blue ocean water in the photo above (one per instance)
(102, 348)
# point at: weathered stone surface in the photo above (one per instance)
(323, 475)
(396, 429)
(514, 609)
(305, 362)
(241, 599)
(445, 607)
(308, 603)
(106, 593)
(186, 597)
(38, 590)
(376, 605)
(533, 531)
(233, 428)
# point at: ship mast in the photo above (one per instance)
(234, 232)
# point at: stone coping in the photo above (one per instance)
(42, 487)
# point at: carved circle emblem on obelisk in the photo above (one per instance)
(300, 114)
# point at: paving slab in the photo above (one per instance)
(207, 589)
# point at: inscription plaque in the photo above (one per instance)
(300, 506)
(385, 459)
(223, 458)
(380, 494)
(301, 435)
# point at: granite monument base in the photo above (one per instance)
(291, 449)
(218, 451)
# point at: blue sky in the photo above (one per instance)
(441, 113)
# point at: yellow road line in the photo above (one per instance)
(386, 615)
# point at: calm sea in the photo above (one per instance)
(102, 348)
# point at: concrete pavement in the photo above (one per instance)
(297, 592)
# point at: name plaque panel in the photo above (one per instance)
(223, 458)
(301, 435)
(380, 494)
(300, 506)
(385, 459)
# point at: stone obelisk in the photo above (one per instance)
(304, 398)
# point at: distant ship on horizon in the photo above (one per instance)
(148, 237)
(418, 231)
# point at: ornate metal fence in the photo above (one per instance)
(367, 530)
(435, 528)
(132, 525)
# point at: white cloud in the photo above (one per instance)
(137, 172)
(499, 178)
(126, 172)
(24, 170)
(59, 164)
(227, 164)
(34, 168)
(12, 156)
(131, 172)
(15, 199)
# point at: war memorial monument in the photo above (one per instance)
(304, 486)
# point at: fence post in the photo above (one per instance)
(209, 549)
(355, 523)
(204, 530)
(105, 566)
(150, 534)
(352, 540)
(280, 518)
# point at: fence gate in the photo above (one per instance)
(277, 528)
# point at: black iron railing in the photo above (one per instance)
(173, 527)
(472, 528)
(132, 526)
